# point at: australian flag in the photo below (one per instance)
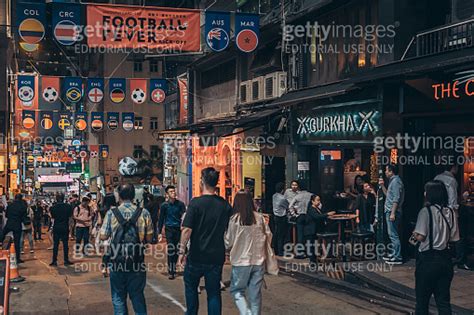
(217, 30)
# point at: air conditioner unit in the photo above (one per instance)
(244, 92)
(257, 89)
(461, 10)
(275, 85)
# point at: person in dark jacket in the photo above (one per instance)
(171, 214)
(365, 203)
(61, 212)
(16, 214)
(153, 206)
(315, 223)
(37, 216)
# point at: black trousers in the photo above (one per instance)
(37, 229)
(310, 247)
(433, 276)
(281, 230)
(16, 240)
(63, 236)
(173, 235)
(300, 223)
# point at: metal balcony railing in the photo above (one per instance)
(450, 37)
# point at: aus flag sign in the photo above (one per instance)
(217, 30)
(247, 31)
(158, 89)
(66, 18)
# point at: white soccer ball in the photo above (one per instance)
(127, 166)
(138, 96)
(50, 94)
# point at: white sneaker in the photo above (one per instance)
(22, 251)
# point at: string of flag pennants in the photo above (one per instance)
(72, 153)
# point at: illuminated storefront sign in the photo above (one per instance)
(456, 89)
(54, 179)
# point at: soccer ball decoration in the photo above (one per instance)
(50, 94)
(127, 166)
(138, 96)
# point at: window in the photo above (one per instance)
(137, 66)
(137, 151)
(138, 123)
(219, 74)
(153, 65)
(153, 123)
(154, 152)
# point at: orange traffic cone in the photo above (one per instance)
(14, 274)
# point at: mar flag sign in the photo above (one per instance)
(158, 89)
(217, 30)
(66, 26)
(163, 29)
(247, 31)
(31, 24)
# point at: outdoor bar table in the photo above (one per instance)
(342, 219)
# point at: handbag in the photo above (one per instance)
(271, 263)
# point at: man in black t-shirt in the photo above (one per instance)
(204, 225)
(61, 212)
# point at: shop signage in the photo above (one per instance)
(454, 89)
(335, 124)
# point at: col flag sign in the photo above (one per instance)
(158, 89)
(72, 89)
(128, 120)
(112, 120)
(31, 24)
(117, 88)
(97, 121)
(247, 31)
(66, 18)
(29, 119)
(95, 90)
(26, 89)
(217, 30)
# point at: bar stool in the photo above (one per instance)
(324, 239)
(363, 238)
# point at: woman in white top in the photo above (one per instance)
(246, 239)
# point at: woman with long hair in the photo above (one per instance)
(83, 215)
(435, 227)
(246, 239)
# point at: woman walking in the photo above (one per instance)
(246, 238)
(83, 215)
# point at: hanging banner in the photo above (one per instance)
(112, 120)
(72, 151)
(66, 18)
(97, 121)
(183, 100)
(117, 90)
(128, 120)
(217, 30)
(94, 151)
(64, 121)
(31, 24)
(26, 90)
(158, 89)
(247, 30)
(72, 89)
(104, 151)
(46, 120)
(80, 121)
(29, 119)
(83, 151)
(138, 90)
(50, 87)
(95, 90)
(172, 30)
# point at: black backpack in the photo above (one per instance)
(126, 249)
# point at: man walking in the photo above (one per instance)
(61, 213)
(129, 227)
(37, 216)
(16, 214)
(171, 213)
(280, 207)
(204, 225)
(395, 195)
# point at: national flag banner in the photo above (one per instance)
(95, 90)
(66, 22)
(94, 151)
(26, 90)
(80, 121)
(117, 89)
(138, 90)
(163, 29)
(183, 100)
(128, 120)
(64, 120)
(31, 24)
(97, 121)
(46, 120)
(83, 151)
(72, 151)
(158, 90)
(247, 30)
(72, 89)
(103, 151)
(29, 119)
(50, 90)
(217, 30)
(112, 120)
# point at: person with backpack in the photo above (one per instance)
(435, 228)
(83, 215)
(129, 228)
(60, 214)
(27, 231)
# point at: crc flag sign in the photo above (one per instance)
(247, 31)
(95, 90)
(66, 26)
(143, 27)
(158, 89)
(217, 30)
(31, 24)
